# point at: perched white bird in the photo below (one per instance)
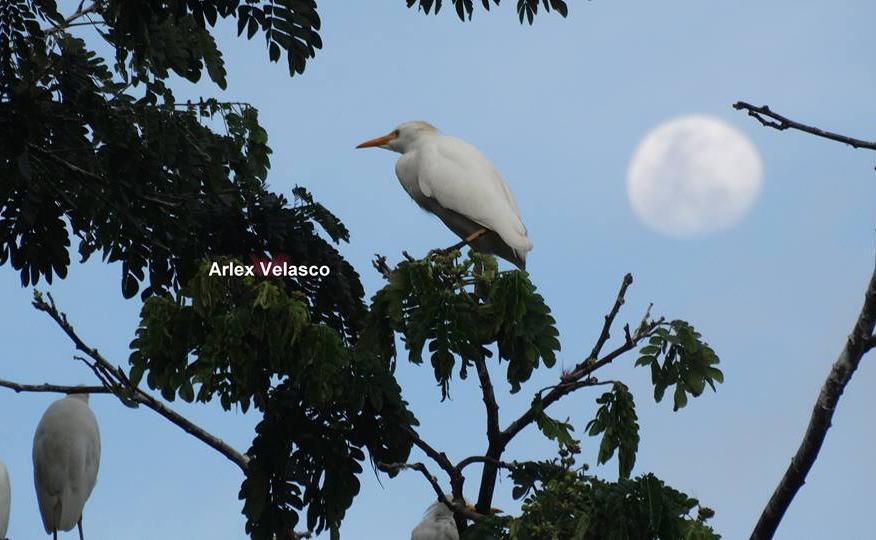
(453, 180)
(66, 457)
(5, 500)
(437, 524)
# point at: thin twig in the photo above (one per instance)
(124, 389)
(440, 458)
(471, 460)
(79, 13)
(771, 119)
(53, 388)
(379, 264)
(578, 377)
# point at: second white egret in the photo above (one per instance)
(66, 458)
(450, 178)
(5, 500)
(437, 524)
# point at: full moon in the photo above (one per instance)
(693, 175)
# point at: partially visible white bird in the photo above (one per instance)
(66, 458)
(5, 500)
(453, 180)
(437, 524)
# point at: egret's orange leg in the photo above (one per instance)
(459, 245)
(467, 240)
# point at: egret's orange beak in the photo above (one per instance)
(471, 508)
(379, 141)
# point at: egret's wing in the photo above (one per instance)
(66, 455)
(458, 177)
(49, 469)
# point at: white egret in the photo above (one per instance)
(437, 524)
(66, 457)
(5, 500)
(453, 180)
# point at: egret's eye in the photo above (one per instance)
(396, 133)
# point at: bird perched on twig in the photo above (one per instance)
(66, 458)
(453, 180)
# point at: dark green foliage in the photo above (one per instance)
(616, 419)
(688, 362)
(526, 9)
(575, 506)
(563, 502)
(252, 340)
(104, 152)
(460, 310)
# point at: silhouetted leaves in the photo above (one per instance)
(526, 9)
(616, 420)
(688, 362)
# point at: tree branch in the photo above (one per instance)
(471, 460)
(53, 388)
(495, 444)
(68, 22)
(579, 377)
(858, 343)
(460, 510)
(118, 383)
(768, 118)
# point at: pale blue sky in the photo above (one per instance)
(559, 107)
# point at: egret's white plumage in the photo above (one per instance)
(453, 180)
(437, 524)
(66, 458)
(5, 500)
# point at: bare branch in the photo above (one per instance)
(53, 388)
(579, 377)
(441, 459)
(605, 334)
(460, 510)
(858, 343)
(471, 460)
(68, 22)
(118, 383)
(768, 118)
(379, 264)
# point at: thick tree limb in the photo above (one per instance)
(768, 118)
(858, 343)
(117, 382)
(495, 445)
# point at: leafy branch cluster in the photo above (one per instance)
(467, 311)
